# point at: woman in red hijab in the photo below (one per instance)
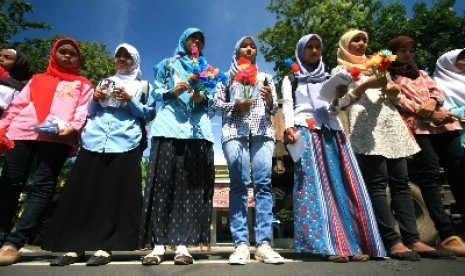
(44, 122)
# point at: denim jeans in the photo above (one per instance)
(440, 149)
(379, 172)
(46, 159)
(250, 159)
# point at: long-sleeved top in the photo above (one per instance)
(376, 127)
(174, 119)
(306, 107)
(255, 122)
(117, 129)
(69, 104)
(415, 92)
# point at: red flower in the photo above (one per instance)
(3, 73)
(311, 123)
(247, 73)
(295, 68)
(5, 143)
(355, 73)
(195, 52)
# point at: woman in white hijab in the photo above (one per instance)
(101, 205)
(450, 77)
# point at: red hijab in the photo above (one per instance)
(43, 86)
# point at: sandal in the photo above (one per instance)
(336, 258)
(182, 259)
(152, 259)
(359, 258)
(453, 244)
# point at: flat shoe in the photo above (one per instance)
(405, 256)
(436, 254)
(336, 259)
(453, 244)
(153, 259)
(98, 260)
(9, 255)
(359, 258)
(66, 260)
(183, 260)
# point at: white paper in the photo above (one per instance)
(297, 149)
(328, 90)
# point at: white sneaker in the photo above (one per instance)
(267, 255)
(241, 256)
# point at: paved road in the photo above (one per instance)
(214, 262)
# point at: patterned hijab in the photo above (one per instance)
(409, 70)
(134, 72)
(20, 73)
(309, 73)
(450, 79)
(43, 86)
(234, 68)
(345, 58)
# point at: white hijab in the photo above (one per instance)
(134, 73)
(450, 79)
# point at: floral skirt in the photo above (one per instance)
(178, 197)
(332, 209)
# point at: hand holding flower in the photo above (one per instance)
(67, 131)
(197, 97)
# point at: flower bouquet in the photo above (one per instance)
(5, 143)
(51, 125)
(247, 76)
(379, 63)
(202, 75)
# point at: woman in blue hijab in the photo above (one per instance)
(179, 188)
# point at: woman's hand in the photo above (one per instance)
(442, 117)
(67, 131)
(243, 106)
(180, 87)
(100, 94)
(289, 136)
(428, 107)
(197, 97)
(265, 92)
(121, 94)
(392, 90)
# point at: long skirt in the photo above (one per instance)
(178, 197)
(332, 209)
(100, 206)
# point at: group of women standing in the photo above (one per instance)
(340, 203)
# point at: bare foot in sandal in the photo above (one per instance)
(337, 258)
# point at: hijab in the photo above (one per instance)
(20, 73)
(43, 86)
(134, 72)
(450, 79)
(345, 58)
(309, 73)
(409, 70)
(234, 68)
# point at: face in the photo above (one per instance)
(7, 59)
(67, 56)
(358, 45)
(312, 52)
(248, 50)
(123, 60)
(405, 53)
(460, 64)
(194, 40)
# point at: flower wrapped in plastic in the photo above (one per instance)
(5, 143)
(51, 125)
(379, 63)
(203, 76)
(247, 75)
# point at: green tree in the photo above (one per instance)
(12, 21)
(97, 62)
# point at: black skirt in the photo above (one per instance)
(178, 197)
(100, 206)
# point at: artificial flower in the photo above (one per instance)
(379, 64)
(247, 75)
(311, 123)
(5, 143)
(3, 73)
(355, 73)
(292, 65)
(202, 75)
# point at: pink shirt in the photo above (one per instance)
(69, 104)
(414, 93)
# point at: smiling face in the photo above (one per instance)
(248, 50)
(123, 60)
(7, 59)
(67, 56)
(195, 40)
(358, 45)
(312, 52)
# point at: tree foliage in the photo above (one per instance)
(12, 21)
(436, 29)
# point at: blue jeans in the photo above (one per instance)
(250, 158)
(46, 159)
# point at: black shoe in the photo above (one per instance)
(98, 260)
(182, 259)
(405, 256)
(436, 254)
(66, 260)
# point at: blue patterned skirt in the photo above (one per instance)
(332, 209)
